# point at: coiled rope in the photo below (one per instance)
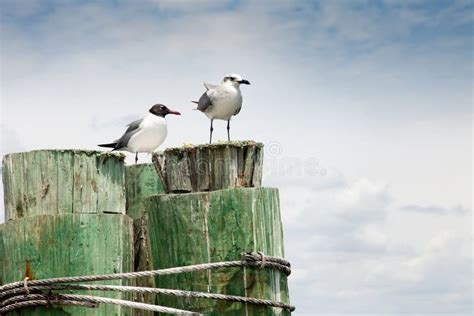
(20, 294)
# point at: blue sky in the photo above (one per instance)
(374, 96)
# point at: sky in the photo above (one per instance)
(365, 108)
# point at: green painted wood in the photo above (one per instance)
(211, 167)
(142, 181)
(67, 245)
(42, 182)
(218, 226)
(2, 254)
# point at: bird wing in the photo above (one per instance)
(238, 110)
(133, 125)
(205, 101)
(209, 86)
(133, 128)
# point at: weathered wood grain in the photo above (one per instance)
(142, 181)
(67, 245)
(42, 182)
(57, 201)
(2, 254)
(211, 167)
(218, 226)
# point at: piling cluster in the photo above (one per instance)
(72, 212)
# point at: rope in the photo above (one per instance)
(249, 259)
(261, 257)
(136, 289)
(11, 302)
(45, 303)
(25, 285)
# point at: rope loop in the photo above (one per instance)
(25, 285)
(39, 292)
(260, 260)
(263, 259)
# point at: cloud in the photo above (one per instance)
(433, 209)
(363, 240)
(339, 218)
(114, 123)
(189, 5)
(364, 200)
(348, 258)
(10, 140)
(435, 274)
(23, 8)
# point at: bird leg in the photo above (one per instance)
(212, 129)
(136, 157)
(228, 130)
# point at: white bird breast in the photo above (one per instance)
(226, 101)
(153, 132)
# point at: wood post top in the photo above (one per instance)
(56, 181)
(209, 167)
(217, 145)
(87, 152)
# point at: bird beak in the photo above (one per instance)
(243, 81)
(174, 112)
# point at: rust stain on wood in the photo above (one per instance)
(28, 272)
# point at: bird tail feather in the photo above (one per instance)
(110, 145)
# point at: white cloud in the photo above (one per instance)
(440, 272)
(22, 8)
(364, 200)
(10, 140)
(434, 209)
(347, 260)
(189, 5)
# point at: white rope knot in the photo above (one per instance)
(25, 285)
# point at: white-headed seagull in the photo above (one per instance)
(223, 101)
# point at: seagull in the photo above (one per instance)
(146, 134)
(223, 101)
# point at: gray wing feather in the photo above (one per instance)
(132, 129)
(204, 102)
(238, 110)
(134, 125)
(209, 86)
